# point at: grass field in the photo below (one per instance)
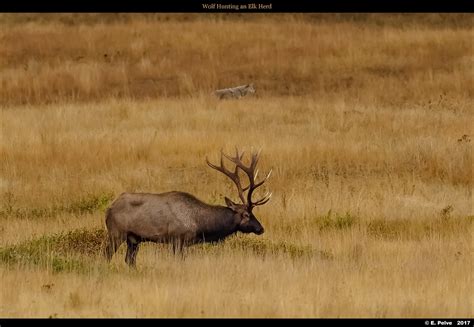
(366, 121)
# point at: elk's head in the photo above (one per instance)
(247, 223)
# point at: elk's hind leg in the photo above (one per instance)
(114, 240)
(133, 243)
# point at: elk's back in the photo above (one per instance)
(155, 216)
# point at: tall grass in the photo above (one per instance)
(350, 58)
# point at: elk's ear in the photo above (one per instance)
(230, 204)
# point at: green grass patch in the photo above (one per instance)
(389, 229)
(330, 221)
(60, 252)
(86, 204)
(78, 250)
(336, 221)
(264, 247)
(413, 229)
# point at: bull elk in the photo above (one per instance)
(180, 218)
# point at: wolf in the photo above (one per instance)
(235, 92)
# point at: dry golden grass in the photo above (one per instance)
(367, 127)
(49, 61)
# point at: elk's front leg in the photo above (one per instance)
(178, 246)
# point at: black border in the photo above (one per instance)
(278, 6)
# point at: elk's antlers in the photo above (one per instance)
(250, 171)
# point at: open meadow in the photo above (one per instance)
(366, 121)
